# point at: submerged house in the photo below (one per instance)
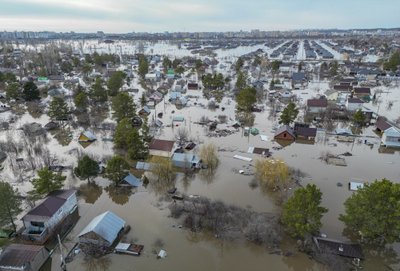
(87, 136)
(103, 230)
(306, 133)
(23, 257)
(344, 249)
(391, 137)
(130, 180)
(285, 133)
(186, 160)
(316, 105)
(41, 221)
(160, 147)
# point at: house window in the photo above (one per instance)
(284, 135)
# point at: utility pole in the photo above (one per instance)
(63, 263)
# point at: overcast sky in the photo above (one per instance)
(201, 15)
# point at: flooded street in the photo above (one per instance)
(147, 213)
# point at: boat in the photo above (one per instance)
(131, 249)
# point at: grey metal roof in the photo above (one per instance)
(107, 225)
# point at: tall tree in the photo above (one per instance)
(81, 101)
(143, 66)
(87, 168)
(145, 131)
(31, 91)
(97, 92)
(115, 82)
(47, 182)
(122, 130)
(117, 168)
(10, 205)
(241, 81)
(58, 109)
(239, 64)
(372, 213)
(13, 91)
(123, 106)
(359, 118)
(289, 114)
(245, 99)
(302, 213)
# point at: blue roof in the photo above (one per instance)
(173, 95)
(132, 180)
(143, 166)
(107, 225)
(178, 118)
(185, 157)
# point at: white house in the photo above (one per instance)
(354, 104)
(391, 137)
(44, 218)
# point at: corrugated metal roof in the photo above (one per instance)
(18, 255)
(132, 180)
(106, 225)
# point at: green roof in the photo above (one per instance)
(42, 79)
(170, 71)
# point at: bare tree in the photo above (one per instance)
(182, 136)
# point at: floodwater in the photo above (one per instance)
(149, 217)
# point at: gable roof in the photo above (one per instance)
(355, 101)
(382, 124)
(284, 128)
(306, 131)
(132, 180)
(18, 255)
(361, 90)
(161, 145)
(107, 225)
(392, 131)
(51, 204)
(317, 103)
(339, 248)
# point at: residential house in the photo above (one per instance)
(41, 221)
(192, 86)
(159, 147)
(298, 79)
(317, 105)
(382, 124)
(174, 96)
(305, 133)
(156, 96)
(186, 160)
(343, 88)
(362, 93)
(87, 136)
(103, 230)
(344, 249)
(130, 180)
(23, 257)
(391, 137)
(285, 133)
(354, 104)
(145, 111)
(170, 74)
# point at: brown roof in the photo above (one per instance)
(382, 124)
(362, 90)
(355, 101)
(306, 131)
(17, 255)
(317, 103)
(342, 87)
(339, 248)
(161, 145)
(284, 128)
(52, 203)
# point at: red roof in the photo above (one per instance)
(161, 145)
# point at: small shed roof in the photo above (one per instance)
(107, 225)
(339, 248)
(89, 135)
(132, 180)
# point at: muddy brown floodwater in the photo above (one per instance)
(149, 217)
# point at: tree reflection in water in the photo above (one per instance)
(159, 186)
(119, 195)
(90, 192)
(208, 175)
(93, 264)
